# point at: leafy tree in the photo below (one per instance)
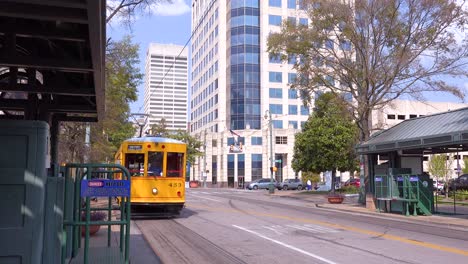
(375, 51)
(126, 10)
(437, 166)
(328, 139)
(313, 177)
(465, 166)
(160, 129)
(193, 144)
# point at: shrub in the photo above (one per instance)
(349, 189)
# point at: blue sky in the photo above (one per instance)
(168, 24)
(171, 24)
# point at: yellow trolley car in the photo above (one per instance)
(157, 169)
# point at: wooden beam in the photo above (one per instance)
(41, 12)
(21, 104)
(64, 89)
(38, 31)
(44, 63)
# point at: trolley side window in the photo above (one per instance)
(155, 163)
(135, 163)
(175, 164)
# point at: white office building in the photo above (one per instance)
(166, 84)
(235, 86)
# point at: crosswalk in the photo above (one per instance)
(286, 229)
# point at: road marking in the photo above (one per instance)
(273, 229)
(347, 228)
(201, 197)
(313, 228)
(322, 228)
(285, 245)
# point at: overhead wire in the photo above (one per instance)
(180, 53)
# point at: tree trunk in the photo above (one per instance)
(333, 179)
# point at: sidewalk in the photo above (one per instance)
(351, 205)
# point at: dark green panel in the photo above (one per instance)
(11, 198)
(15, 151)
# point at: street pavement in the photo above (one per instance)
(141, 251)
(443, 217)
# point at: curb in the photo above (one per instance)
(395, 217)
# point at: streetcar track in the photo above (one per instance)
(171, 237)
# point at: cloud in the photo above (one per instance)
(176, 8)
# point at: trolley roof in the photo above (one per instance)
(154, 140)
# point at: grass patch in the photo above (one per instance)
(313, 192)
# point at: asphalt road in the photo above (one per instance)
(241, 226)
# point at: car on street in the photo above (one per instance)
(438, 185)
(460, 183)
(261, 184)
(291, 184)
(353, 182)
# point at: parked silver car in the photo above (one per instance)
(291, 184)
(261, 184)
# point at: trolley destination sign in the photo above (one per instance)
(105, 188)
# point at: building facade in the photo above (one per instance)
(166, 82)
(235, 86)
(237, 89)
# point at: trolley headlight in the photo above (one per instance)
(154, 191)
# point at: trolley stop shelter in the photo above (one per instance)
(52, 56)
(396, 179)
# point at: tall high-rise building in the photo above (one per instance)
(166, 86)
(235, 86)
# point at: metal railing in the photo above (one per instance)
(77, 216)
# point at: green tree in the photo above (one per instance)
(327, 140)
(437, 166)
(376, 51)
(465, 166)
(160, 129)
(122, 79)
(193, 144)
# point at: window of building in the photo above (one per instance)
(277, 124)
(401, 117)
(292, 20)
(214, 169)
(293, 124)
(303, 21)
(281, 140)
(230, 165)
(276, 93)
(413, 116)
(292, 94)
(256, 166)
(276, 109)
(329, 44)
(256, 141)
(304, 110)
(214, 143)
(274, 20)
(292, 4)
(292, 77)
(230, 141)
(274, 3)
(241, 165)
(390, 116)
(275, 59)
(275, 77)
(292, 109)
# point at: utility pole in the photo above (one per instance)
(272, 158)
(204, 161)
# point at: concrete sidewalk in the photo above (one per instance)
(445, 217)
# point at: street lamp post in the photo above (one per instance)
(272, 158)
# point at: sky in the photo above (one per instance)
(168, 24)
(171, 24)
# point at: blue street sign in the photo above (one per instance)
(105, 188)
(413, 178)
(378, 179)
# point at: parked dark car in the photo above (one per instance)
(353, 182)
(261, 184)
(460, 183)
(290, 184)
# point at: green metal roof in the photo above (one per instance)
(442, 132)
